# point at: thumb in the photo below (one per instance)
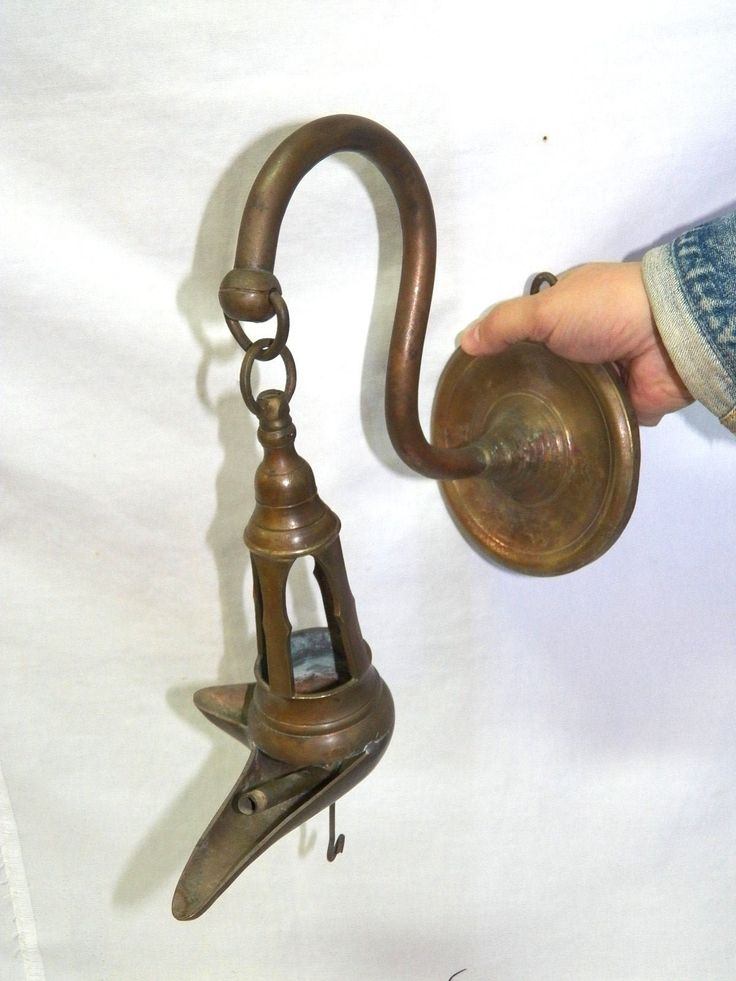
(504, 324)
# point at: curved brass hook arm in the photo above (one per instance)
(244, 291)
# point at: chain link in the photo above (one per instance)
(255, 353)
(274, 346)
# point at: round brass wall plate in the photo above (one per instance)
(563, 443)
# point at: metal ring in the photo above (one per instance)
(251, 355)
(276, 344)
(238, 333)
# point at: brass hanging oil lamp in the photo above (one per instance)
(538, 459)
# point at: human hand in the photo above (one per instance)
(597, 312)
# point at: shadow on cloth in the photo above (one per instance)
(168, 843)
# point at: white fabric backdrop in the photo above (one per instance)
(559, 800)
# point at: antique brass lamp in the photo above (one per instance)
(538, 460)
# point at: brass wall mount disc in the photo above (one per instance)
(563, 446)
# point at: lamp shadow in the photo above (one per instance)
(166, 846)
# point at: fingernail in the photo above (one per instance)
(470, 337)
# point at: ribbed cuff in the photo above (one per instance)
(692, 355)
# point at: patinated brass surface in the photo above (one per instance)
(539, 463)
(236, 836)
(247, 291)
(319, 716)
(564, 456)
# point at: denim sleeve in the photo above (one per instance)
(691, 284)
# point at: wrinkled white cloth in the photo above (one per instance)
(558, 799)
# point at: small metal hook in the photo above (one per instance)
(540, 279)
(334, 846)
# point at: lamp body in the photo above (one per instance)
(330, 703)
(318, 717)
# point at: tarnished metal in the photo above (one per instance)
(539, 462)
(564, 452)
(277, 305)
(319, 716)
(253, 353)
(336, 844)
(245, 296)
(563, 446)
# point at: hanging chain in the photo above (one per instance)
(265, 349)
(277, 343)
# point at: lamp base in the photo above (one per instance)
(563, 448)
(269, 799)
